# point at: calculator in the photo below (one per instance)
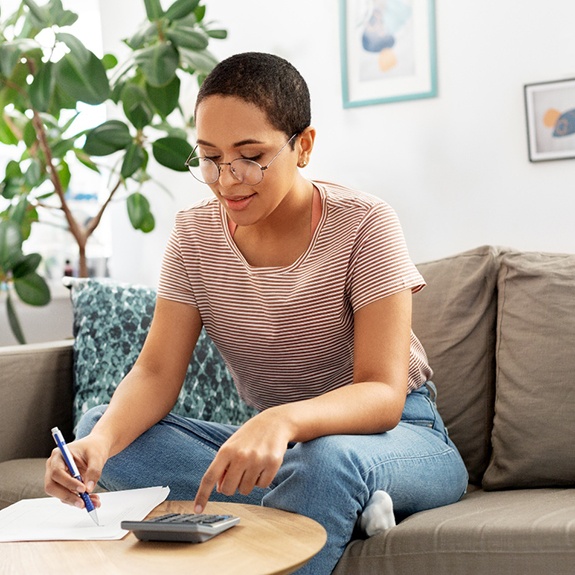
(187, 527)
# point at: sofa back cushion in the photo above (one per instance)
(454, 318)
(111, 321)
(535, 402)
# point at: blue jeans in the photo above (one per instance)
(329, 479)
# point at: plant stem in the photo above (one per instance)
(78, 232)
(95, 221)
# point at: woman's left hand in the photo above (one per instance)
(250, 458)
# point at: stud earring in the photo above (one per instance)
(302, 164)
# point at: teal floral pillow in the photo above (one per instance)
(111, 321)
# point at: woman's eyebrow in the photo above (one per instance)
(239, 144)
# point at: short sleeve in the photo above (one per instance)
(380, 265)
(175, 284)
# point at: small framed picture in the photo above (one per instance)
(550, 111)
(388, 51)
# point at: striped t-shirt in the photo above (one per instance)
(286, 333)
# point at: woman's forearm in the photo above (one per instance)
(362, 408)
(138, 403)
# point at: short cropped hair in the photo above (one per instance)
(269, 82)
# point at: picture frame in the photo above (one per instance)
(388, 51)
(550, 118)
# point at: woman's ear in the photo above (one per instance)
(306, 140)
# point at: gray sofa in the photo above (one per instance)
(499, 329)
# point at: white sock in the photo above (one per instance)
(378, 514)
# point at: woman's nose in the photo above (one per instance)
(227, 177)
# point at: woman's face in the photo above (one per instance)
(229, 128)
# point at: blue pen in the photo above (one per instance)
(73, 469)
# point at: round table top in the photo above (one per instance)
(265, 542)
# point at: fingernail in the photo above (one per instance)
(198, 509)
(79, 504)
(90, 485)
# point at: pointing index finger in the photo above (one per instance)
(209, 481)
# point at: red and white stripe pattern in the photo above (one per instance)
(286, 333)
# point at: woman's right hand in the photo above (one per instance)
(90, 455)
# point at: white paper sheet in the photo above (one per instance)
(48, 519)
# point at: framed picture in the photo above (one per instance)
(550, 110)
(387, 51)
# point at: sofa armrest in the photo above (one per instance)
(36, 394)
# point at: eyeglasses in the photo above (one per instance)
(244, 171)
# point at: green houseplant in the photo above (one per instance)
(46, 76)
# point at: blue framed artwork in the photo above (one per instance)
(388, 51)
(550, 110)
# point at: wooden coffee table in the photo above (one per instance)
(266, 541)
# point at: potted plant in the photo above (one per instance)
(46, 76)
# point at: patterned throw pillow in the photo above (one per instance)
(111, 321)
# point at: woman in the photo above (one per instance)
(305, 287)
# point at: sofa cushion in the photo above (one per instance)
(526, 532)
(33, 375)
(111, 321)
(21, 479)
(454, 318)
(535, 404)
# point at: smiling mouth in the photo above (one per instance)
(238, 203)
(238, 198)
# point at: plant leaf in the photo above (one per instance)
(136, 107)
(41, 88)
(76, 47)
(148, 223)
(7, 136)
(61, 147)
(30, 216)
(12, 52)
(14, 321)
(62, 99)
(13, 169)
(10, 243)
(27, 265)
(181, 8)
(165, 98)
(17, 213)
(109, 61)
(13, 180)
(138, 209)
(186, 37)
(202, 61)
(134, 159)
(9, 187)
(173, 131)
(63, 171)
(200, 12)
(29, 134)
(153, 10)
(107, 138)
(147, 34)
(81, 73)
(217, 34)
(84, 159)
(61, 17)
(158, 63)
(33, 176)
(172, 152)
(32, 289)
(40, 13)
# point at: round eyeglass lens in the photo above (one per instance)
(208, 172)
(247, 171)
(204, 170)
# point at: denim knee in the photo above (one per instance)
(89, 420)
(323, 467)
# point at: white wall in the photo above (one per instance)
(455, 167)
